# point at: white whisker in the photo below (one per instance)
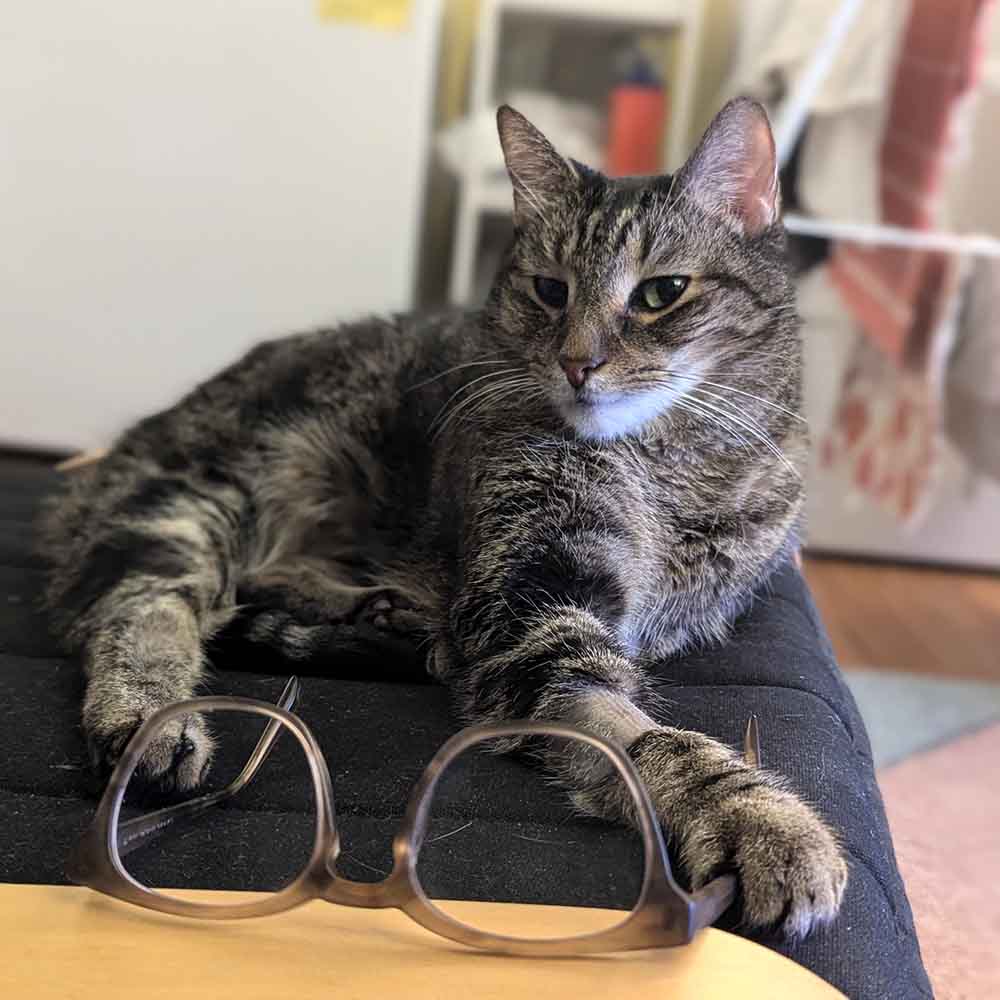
(685, 402)
(484, 393)
(468, 385)
(448, 371)
(748, 424)
(742, 392)
(728, 410)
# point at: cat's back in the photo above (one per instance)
(351, 375)
(364, 362)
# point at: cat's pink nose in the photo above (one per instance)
(577, 369)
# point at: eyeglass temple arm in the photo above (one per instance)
(143, 829)
(713, 899)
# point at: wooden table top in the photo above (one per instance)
(74, 944)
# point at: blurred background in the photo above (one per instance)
(180, 181)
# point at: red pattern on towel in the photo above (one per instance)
(889, 413)
(883, 286)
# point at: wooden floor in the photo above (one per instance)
(932, 621)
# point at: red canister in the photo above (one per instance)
(637, 114)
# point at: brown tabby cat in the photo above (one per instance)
(597, 469)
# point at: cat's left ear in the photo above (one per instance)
(734, 171)
(539, 174)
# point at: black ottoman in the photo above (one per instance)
(377, 737)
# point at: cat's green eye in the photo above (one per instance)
(658, 293)
(552, 292)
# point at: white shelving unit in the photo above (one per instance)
(481, 197)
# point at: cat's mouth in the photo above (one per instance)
(604, 414)
(588, 398)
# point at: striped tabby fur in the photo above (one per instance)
(436, 483)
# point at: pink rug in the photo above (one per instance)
(944, 810)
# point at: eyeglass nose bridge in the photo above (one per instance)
(395, 890)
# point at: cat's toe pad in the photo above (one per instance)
(392, 613)
(177, 758)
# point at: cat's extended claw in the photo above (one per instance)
(751, 742)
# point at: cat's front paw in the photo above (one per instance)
(791, 870)
(727, 816)
(178, 757)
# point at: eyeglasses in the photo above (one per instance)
(124, 829)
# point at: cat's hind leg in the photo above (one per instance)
(314, 612)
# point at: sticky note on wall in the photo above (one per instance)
(387, 14)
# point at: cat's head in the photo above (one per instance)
(622, 297)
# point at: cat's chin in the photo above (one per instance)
(611, 415)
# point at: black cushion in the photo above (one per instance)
(379, 735)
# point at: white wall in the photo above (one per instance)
(181, 179)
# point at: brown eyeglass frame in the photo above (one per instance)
(664, 914)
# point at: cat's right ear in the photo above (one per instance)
(539, 174)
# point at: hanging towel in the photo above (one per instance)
(887, 420)
(886, 287)
(905, 302)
